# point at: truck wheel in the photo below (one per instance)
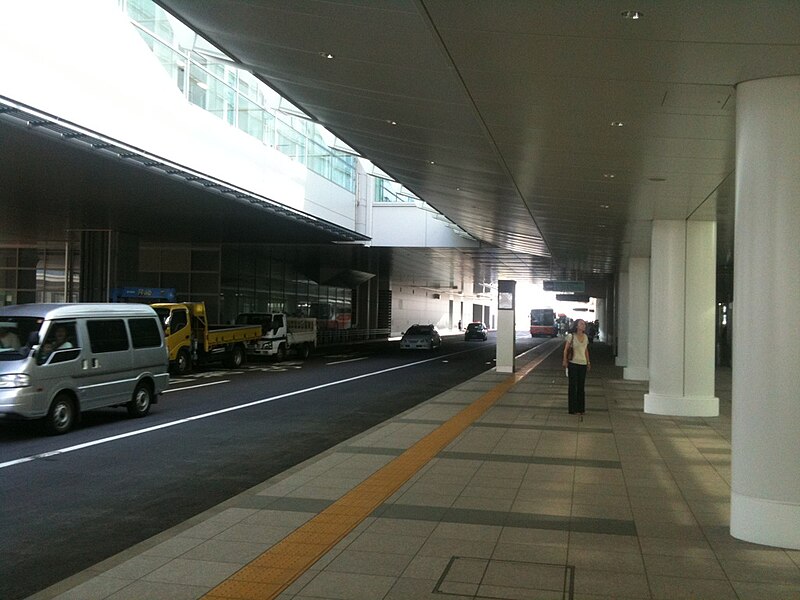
(305, 351)
(183, 363)
(281, 354)
(235, 358)
(139, 405)
(61, 416)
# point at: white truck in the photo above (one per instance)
(281, 334)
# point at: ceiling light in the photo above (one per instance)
(604, 206)
(433, 162)
(390, 122)
(657, 179)
(631, 14)
(327, 55)
(601, 226)
(617, 123)
(608, 175)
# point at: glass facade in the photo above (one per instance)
(208, 79)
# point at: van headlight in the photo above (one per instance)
(15, 380)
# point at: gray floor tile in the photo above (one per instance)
(97, 588)
(677, 588)
(149, 590)
(348, 586)
(615, 584)
(193, 572)
(369, 563)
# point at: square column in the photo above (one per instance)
(506, 334)
(682, 302)
(622, 321)
(638, 319)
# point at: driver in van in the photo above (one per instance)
(58, 341)
(8, 339)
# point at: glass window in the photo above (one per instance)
(178, 320)
(145, 332)
(107, 335)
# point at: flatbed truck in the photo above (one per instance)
(191, 340)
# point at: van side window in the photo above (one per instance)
(145, 333)
(107, 335)
(61, 342)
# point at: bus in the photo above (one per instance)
(543, 322)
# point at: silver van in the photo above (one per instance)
(57, 360)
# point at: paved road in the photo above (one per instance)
(71, 501)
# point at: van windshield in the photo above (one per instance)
(18, 335)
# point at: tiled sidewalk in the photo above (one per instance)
(527, 503)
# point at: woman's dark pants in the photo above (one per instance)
(577, 379)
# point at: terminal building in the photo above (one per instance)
(376, 165)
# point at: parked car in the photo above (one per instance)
(421, 337)
(476, 331)
(76, 357)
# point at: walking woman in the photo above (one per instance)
(577, 363)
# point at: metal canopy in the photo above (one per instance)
(550, 129)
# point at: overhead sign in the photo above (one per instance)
(572, 297)
(551, 285)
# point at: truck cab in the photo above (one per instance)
(281, 334)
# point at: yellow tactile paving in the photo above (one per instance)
(267, 576)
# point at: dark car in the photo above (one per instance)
(476, 331)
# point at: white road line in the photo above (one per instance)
(191, 387)
(338, 362)
(214, 413)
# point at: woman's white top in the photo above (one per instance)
(578, 348)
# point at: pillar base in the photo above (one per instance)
(765, 521)
(620, 362)
(508, 369)
(636, 373)
(681, 406)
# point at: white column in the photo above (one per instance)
(622, 321)
(638, 319)
(506, 334)
(600, 315)
(765, 497)
(681, 256)
(700, 318)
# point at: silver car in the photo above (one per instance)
(61, 359)
(421, 337)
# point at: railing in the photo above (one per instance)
(330, 337)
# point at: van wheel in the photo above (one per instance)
(183, 363)
(235, 358)
(139, 405)
(281, 354)
(305, 351)
(62, 415)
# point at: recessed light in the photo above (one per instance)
(390, 122)
(659, 179)
(608, 176)
(327, 55)
(601, 226)
(604, 206)
(433, 162)
(617, 123)
(631, 14)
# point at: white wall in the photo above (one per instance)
(326, 200)
(84, 62)
(412, 305)
(412, 226)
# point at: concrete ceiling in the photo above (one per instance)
(504, 114)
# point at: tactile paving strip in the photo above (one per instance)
(273, 571)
